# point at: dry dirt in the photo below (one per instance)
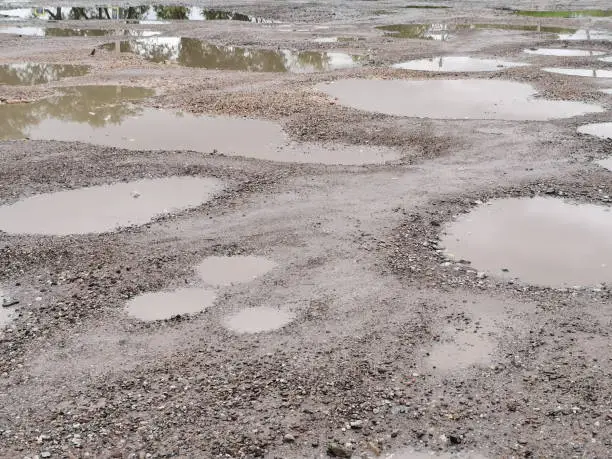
(376, 303)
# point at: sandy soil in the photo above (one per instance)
(364, 369)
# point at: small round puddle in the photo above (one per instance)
(164, 305)
(457, 64)
(601, 130)
(593, 73)
(31, 73)
(413, 454)
(563, 52)
(105, 208)
(544, 241)
(222, 271)
(606, 163)
(453, 99)
(258, 320)
(464, 350)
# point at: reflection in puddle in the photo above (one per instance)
(586, 35)
(257, 320)
(564, 14)
(544, 241)
(95, 115)
(146, 13)
(607, 91)
(223, 271)
(105, 208)
(601, 130)
(190, 52)
(457, 64)
(593, 73)
(165, 305)
(563, 52)
(443, 31)
(606, 163)
(30, 73)
(606, 59)
(66, 32)
(453, 99)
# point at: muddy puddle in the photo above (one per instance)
(453, 99)
(601, 130)
(446, 31)
(457, 64)
(224, 271)
(592, 73)
(563, 52)
(564, 14)
(145, 13)
(99, 116)
(31, 73)
(462, 350)
(105, 208)
(258, 320)
(190, 52)
(69, 32)
(543, 241)
(165, 305)
(586, 35)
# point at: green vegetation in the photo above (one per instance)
(564, 14)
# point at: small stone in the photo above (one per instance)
(7, 302)
(45, 454)
(289, 438)
(356, 424)
(395, 433)
(336, 450)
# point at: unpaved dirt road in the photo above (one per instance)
(394, 350)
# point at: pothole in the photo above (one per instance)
(607, 91)
(606, 163)
(457, 64)
(165, 305)
(444, 31)
(564, 14)
(190, 52)
(461, 350)
(586, 35)
(258, 320)
(453, 99)
(414, 454)
(99, 115)
(32, 73)
(593, 73)
(69, 32)
(105, 208)
(606, 59)
(601, 130)
(223, 271)
(543, 241)
(563, 52)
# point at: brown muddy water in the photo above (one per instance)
(258, 320)
(601, 130)
(107, 207)
(543, 241)
(224, 271)
(457, 64)
(190, 52)
(165, 305)
(31, 73)
(453, 99)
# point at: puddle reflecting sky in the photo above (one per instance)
(66, 32)
(457, 64)
(31, 73)
(258, 320)
(563, 52)
(601, 130)
(165, 305)
(586, 35)
(190, 52)
(592, 73)
(220, 271)
(444, 31)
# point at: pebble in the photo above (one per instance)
(356, 424)
(7, 301)
(289, 438)
(336, 450)
(45, 454)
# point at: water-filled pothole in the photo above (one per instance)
(586, 35)
(564, 14)
(465, 349)
(444, 31)
(607, 91)
(457, 64)
(544, 241)
(105, 208)
(165, 305)
(453, 99)
(32, 73)
(6, 316)
(563, 52)
(258, 320)
(601, 130)
(593, 73)
(69, 32)
(223, 271)
(190, 52)
(606, 59)
(606, 163)
(144, 13)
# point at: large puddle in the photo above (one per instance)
(68, 32)
(453, 99)
(223, 271)
(31, 73)
(105, 208)
(457, 64)
(586, 35)
(563, 52)
(145, 13)
(97, 115)
(190, 52)
(445, 31)
(593, 73)
(543, 241)
(258, 320)
(601, 130)
(165, 305)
